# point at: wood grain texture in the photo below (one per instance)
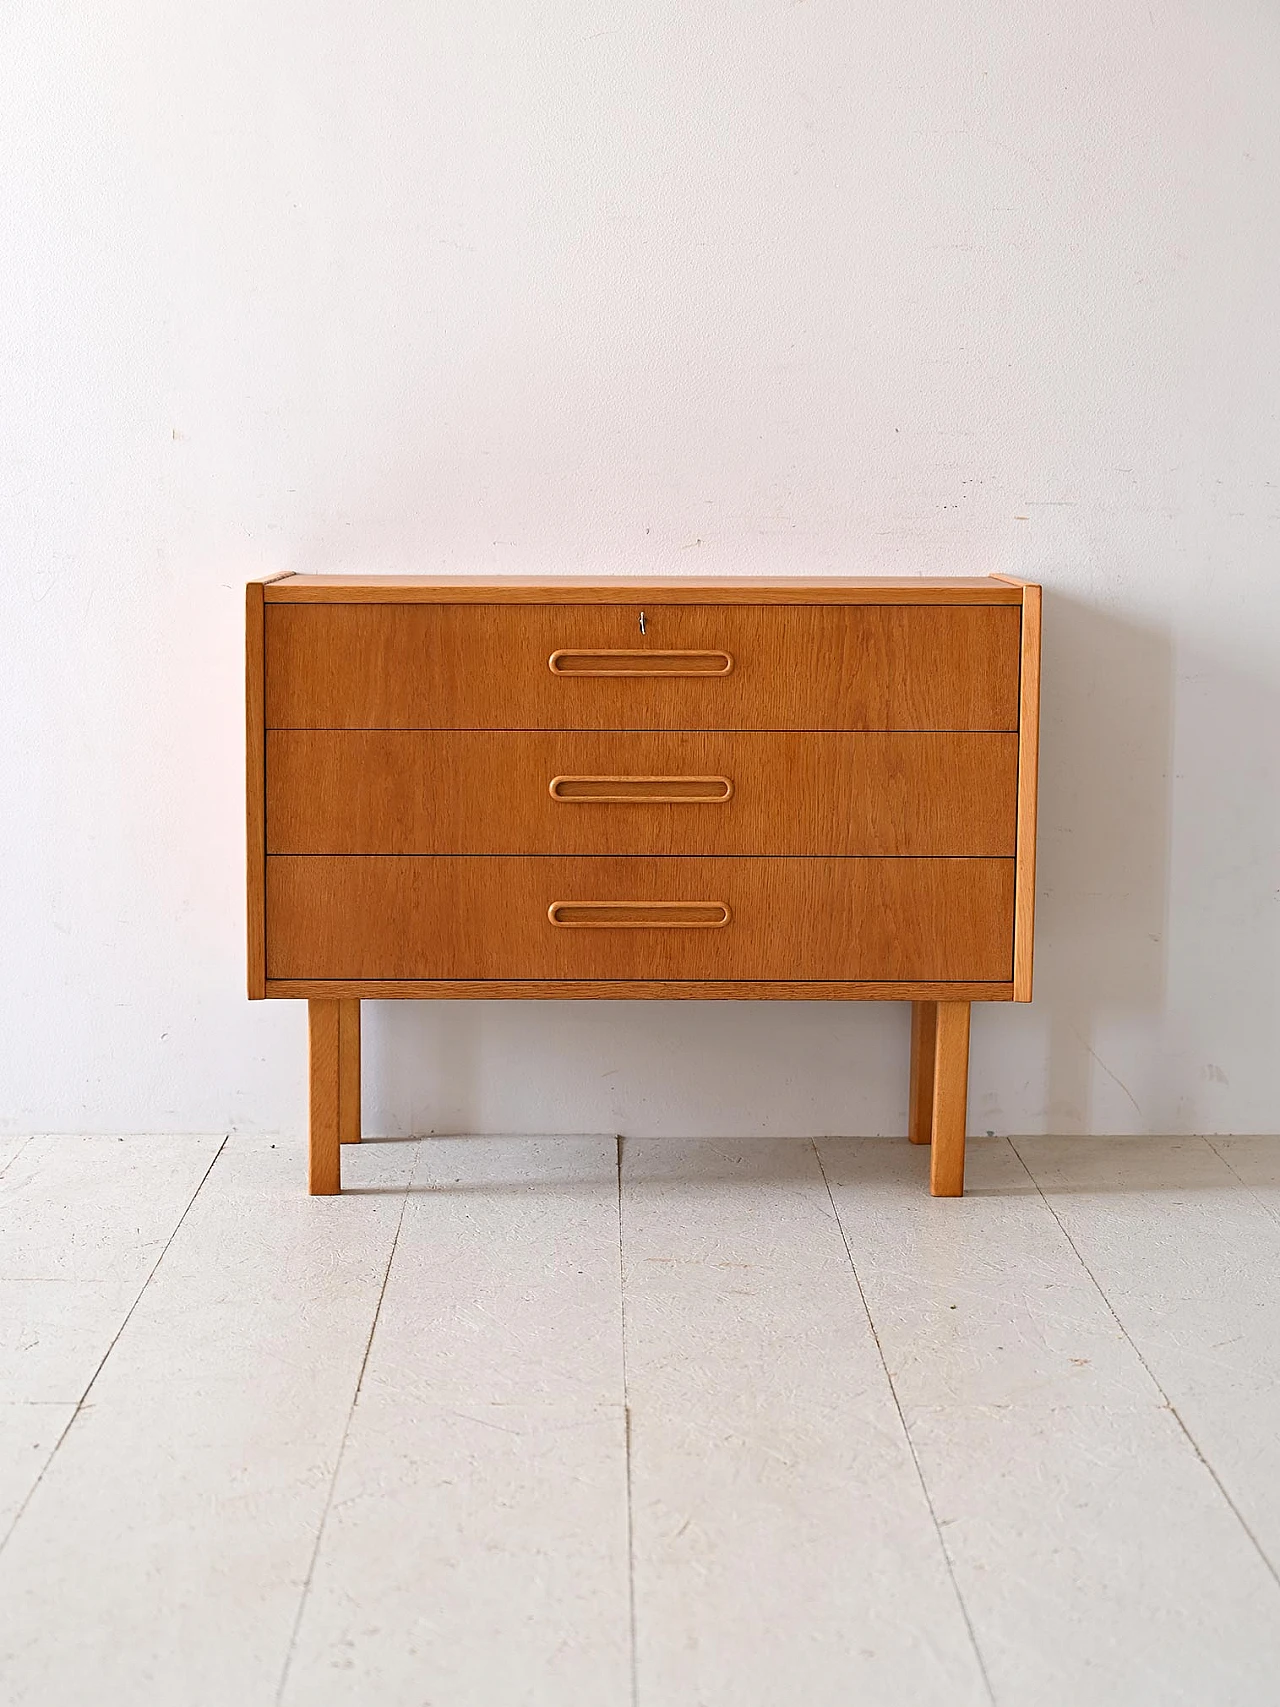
(924, 1033)
(1028, 788)
(672, 589)
(631, 990)
(324, 1136)
(375, 917)
(950, 1099)
(489, 792)
(486, 667)
(349, 1071)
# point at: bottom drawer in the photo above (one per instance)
(858, 920)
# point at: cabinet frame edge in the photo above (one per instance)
(1028, 786)
(746, 590)
(255, 771)
(629, 989)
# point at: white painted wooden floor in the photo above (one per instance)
(709, 1425)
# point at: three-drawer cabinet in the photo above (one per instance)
(806, 790)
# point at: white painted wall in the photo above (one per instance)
(766, 286)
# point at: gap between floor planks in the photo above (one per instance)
(230, 1509)
(1054, 1453)
(69, 1282)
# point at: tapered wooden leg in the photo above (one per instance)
(325, 1145)
(349, 1072)
(924, 1028)
(950, 1099)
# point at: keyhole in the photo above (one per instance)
(642, 622)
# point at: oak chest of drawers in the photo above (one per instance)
(807, 790)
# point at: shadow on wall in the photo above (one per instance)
(688, 1069)
(1103, 873)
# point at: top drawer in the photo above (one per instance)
(502, 666)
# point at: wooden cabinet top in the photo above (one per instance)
(577, 589)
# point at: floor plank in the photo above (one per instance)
(476, 1545)
(1190, 1263)
(82, 1224)
(1255, 1162)
(28, 1435)
(476, 1550)
(1096, 1556)
(162, 1557)
(784, 1549)
(10, 1148)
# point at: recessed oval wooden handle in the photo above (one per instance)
(639, 915)
(656, 790)
(611, 662)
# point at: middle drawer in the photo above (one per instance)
(413, 791)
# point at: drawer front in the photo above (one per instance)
(890, 920)
(338, 791)
(406, 666)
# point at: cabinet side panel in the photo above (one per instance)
(1028, 779)
(255, 792)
